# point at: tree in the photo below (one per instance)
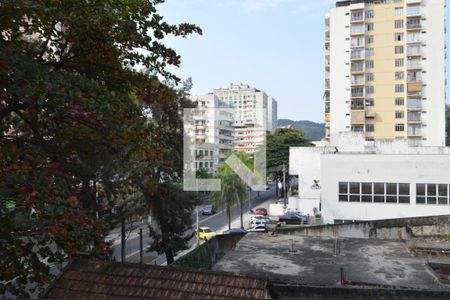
(74, 116)
(277, 150)
(171, 207)
(233, 189)
(172, 212)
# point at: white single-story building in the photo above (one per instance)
(359, 180)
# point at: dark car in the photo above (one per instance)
(208, 210)
(236, 231)
(294, 218)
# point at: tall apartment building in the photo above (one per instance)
(255, 115)
(213, 131)
(385, 70)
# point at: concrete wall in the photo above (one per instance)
(390, 229)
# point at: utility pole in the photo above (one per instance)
(141, 247)
(122, 241)
(198, 225)
(284, 186)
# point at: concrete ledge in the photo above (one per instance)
(388, 229)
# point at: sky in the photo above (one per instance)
(273, 45)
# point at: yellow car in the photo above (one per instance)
(206, 233)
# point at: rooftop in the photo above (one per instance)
(112, 280)
(311, 261)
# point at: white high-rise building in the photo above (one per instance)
(254, 111)
(213, 132)
(385, 70)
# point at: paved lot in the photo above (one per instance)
(313, 261)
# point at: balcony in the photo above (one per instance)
(414, 51)
(414, 104)
(357, 105)
(327, 117)
(357, 54)
(414, 65)
(414, 118)
(413, 2)
(414, 131)
(415, 87)
(357, 68)
(357, 29)
(413, 11)
(357, 17)
(357, 92)
(413, 24)
(358, 80)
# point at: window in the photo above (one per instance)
(369, 77)
(403, 193)
(343, 191)
(370, 64)
(370, 89)
(391, 193)
(399, 127)
(378, 192)
(357, 67)
(369, 39)
(399, 88)
(398, 23)
(357, 29)
(443, 194)
(398, 36)
(398, 11)
(399, 75)
(370, 127)
(358, 16)
(357, 41)
(399, 49)
(399, 62)
(369, 52)
(370, 27)
(366, 192)
(369, 14)
(420, 194)
(355, 191)
(399, 101)
(399, 114)
(370, 102)
(431, 194)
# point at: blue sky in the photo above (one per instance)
(274, 45)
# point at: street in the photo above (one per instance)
(216, 222)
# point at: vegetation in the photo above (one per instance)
(312, 131)
(233, 188)
(74, 126)
(277, 150)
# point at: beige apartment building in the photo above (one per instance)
(385, 70)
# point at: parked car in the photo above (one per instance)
(206, 233)
(261, 220)
(208, 210)
(261, 211)
(258, 228)
(294, 218)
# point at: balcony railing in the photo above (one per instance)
(413, 11)
(357, 17)
(414, 131)
(357, 54)
(414, 51)
(357, 80)
(414, 104)
(413, 24)
(414, 65)
(414, 118)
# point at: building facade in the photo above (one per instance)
(255, 114)
(213, 132)
(358, 181)
(385, 70)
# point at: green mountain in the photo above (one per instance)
(313, 131)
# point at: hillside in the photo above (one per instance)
(313, 131)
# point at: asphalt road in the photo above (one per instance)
(215, 222)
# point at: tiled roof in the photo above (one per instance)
(113, 280)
